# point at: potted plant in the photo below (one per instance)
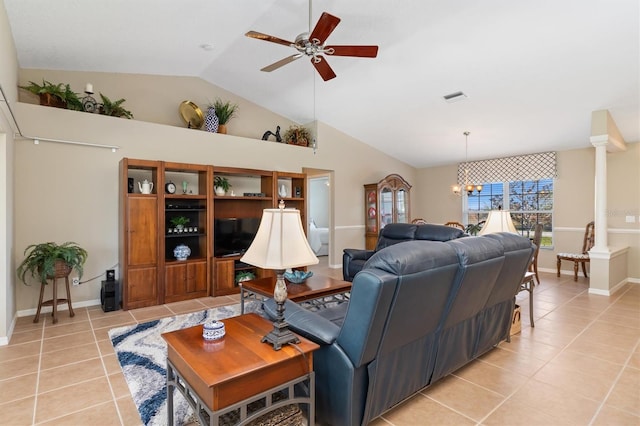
(225, 111)
(474, 228)
(114, 108)
(221, 185)
(48, 260)
(56, 95)
(179, 222)
(297, 135)
(244, 276)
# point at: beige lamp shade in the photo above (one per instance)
(498, 221)
(280, 242)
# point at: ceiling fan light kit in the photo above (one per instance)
(313, 45)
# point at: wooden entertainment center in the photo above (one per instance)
(150, 273)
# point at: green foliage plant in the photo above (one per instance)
(40, 260)
(114, 108)
(61, 91)
(180, 221)
(225, 110)
(297, 135)
(221, 182)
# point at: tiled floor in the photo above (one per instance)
(580, 365)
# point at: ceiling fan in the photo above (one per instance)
(312, 44)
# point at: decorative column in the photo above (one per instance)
(601, 241)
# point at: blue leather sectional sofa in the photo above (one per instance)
(418, 311)
(354, 259)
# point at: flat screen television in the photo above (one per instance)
(233, 235)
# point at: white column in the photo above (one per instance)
(601, 241)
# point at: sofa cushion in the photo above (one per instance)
(434, 232)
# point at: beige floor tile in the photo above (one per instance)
(625, 321)
(213, 302)
(512, 413)
(420, 410)
(564, 406)
(623, 312)
(103, 333)
(578, 382)
(11, 351)
(464, 397)
(118, 319)
(531, 347)
(19, 367)
(567, 318)
(17, 413)
(557, 338)
(111, 364)
(186, 306)
(19, 387)
(71, 399)
(65, 356)
(593, 367)
(80, 315)
(626, 392)
(148, 314)
(610, 416)
(119, 385)
(104, 414)
(634, 361)
(106, 347)
(599, 350)
(617, 329)
(67, 342)
(491, 377)
(603, 337)
(70, 374)
(521, 363)
(65, 329)
(33, 335)
(128, 412)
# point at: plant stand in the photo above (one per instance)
(62, 271)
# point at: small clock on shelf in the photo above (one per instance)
(170, 187)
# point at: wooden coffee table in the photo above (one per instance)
(314, 287)
(230, 376)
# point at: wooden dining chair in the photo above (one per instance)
(419, 221)
(455, 225)
(537, 238)
(580, 258)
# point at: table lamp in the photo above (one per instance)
(498, 221)
(280, 244)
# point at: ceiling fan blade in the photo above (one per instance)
(325, 26)
(323, 68)
(359, 51)
(267, 37)
(281, 62)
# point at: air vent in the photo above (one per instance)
(455, 97)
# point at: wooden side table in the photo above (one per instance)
(238, 376)
(55, 301)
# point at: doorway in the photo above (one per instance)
(320, 212)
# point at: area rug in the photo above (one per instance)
(142, 354)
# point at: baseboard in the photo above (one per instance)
(46, 309)
(609, 292)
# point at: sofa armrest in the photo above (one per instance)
(358, 254)
(306, 323)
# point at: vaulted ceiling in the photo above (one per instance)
(533, 71)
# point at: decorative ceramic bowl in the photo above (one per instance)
(297, 277)
(213, 330)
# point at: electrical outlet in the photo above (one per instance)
(75, 281)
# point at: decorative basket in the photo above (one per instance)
(516, 325)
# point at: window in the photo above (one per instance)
(530, 202)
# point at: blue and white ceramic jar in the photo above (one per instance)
(213, 330)
(181, 252)
(211, 121)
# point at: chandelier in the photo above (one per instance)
(469, 188)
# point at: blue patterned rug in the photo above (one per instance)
(142, 354)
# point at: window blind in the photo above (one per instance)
(508, 169)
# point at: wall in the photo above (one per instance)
(8, 79)
(70, 192)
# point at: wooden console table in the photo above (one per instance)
(238, 375)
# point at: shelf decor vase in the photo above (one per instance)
(181, 252)
(219, 190)
(211, 122)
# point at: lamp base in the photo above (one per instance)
(280, 335)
